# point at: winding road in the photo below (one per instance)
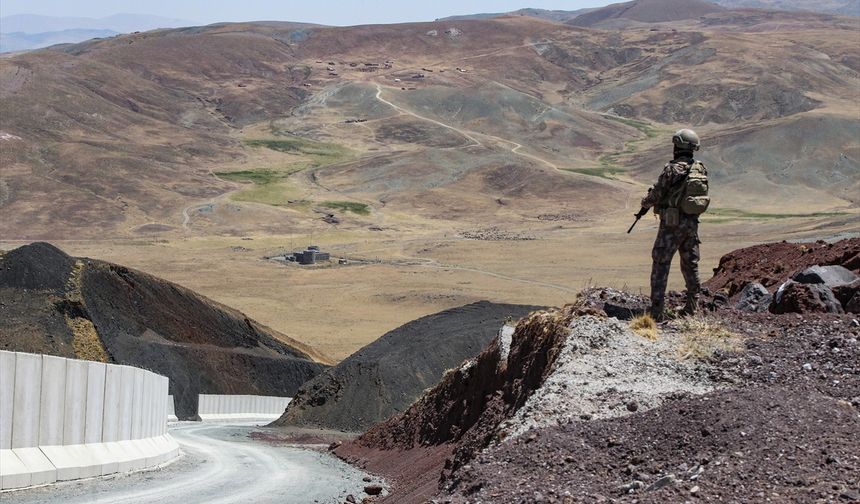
(220, 465)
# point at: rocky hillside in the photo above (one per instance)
(56, 304)
(576, 406)
(386, 376)
(646, 11)
(123, 135)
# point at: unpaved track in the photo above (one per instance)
(220, 465)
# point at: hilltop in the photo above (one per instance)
(647, 11)
(56, 304)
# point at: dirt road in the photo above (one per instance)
(220, 465)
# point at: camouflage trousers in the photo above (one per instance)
(684, 239)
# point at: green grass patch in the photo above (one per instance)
(609, 166)
(642, 126)
(725, 214)
(259, 177)
(320, 153)
(348, 206)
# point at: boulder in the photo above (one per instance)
(831, 276)
(844, 293)
(754, 298)
(853, 305)
(794, 297)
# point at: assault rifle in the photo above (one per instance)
(642, 212)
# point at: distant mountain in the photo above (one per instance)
(552, 15)
(121, 23)
(647, 11)
(20, 41)
(844, 7)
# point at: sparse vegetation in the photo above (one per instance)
(259, 177)
(271, 186)
(644, 326)
(728, 214)
(348, 206)
(608, 163)
(86, 341)
(703, 336)
(320, 153)
(642, 126)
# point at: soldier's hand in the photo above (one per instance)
(642, 212)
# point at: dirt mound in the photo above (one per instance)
(771, 264)
(463, 410)
(554, 368)
(701, 446)
(647, 11)
(56, 304)
(39, 266)
(386, 376)
(786, 431)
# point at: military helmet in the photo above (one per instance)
(686, 139)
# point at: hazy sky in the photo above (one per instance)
(343, 12)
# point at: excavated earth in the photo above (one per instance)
(572, 406)
(770, 264)
(386, 376)
(56, 304)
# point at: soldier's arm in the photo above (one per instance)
(658, 190)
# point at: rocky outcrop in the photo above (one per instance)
(812, 290)
(555, 367)
(795, 297)
(770, 264)
(754, 298)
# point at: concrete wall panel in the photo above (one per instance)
(126, 400)
(112, 404)
(7, 400)
(137, 404)
(75, 417)
(53, 399)
(93, 425)
(27, 400)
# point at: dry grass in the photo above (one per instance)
(701, 337)
(86, 342)
(644, 326)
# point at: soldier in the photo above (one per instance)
(679, 221)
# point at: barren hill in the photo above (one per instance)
(76, 307)
(385, 377)
(138, 133)
(647, 11)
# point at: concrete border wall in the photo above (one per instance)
(240, 407)
(64, 419)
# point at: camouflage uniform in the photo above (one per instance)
(683, 238)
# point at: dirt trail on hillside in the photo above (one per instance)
(515, 147)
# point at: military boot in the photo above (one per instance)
(657, 312)
(691, 307)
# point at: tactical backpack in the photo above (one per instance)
(691, 196)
